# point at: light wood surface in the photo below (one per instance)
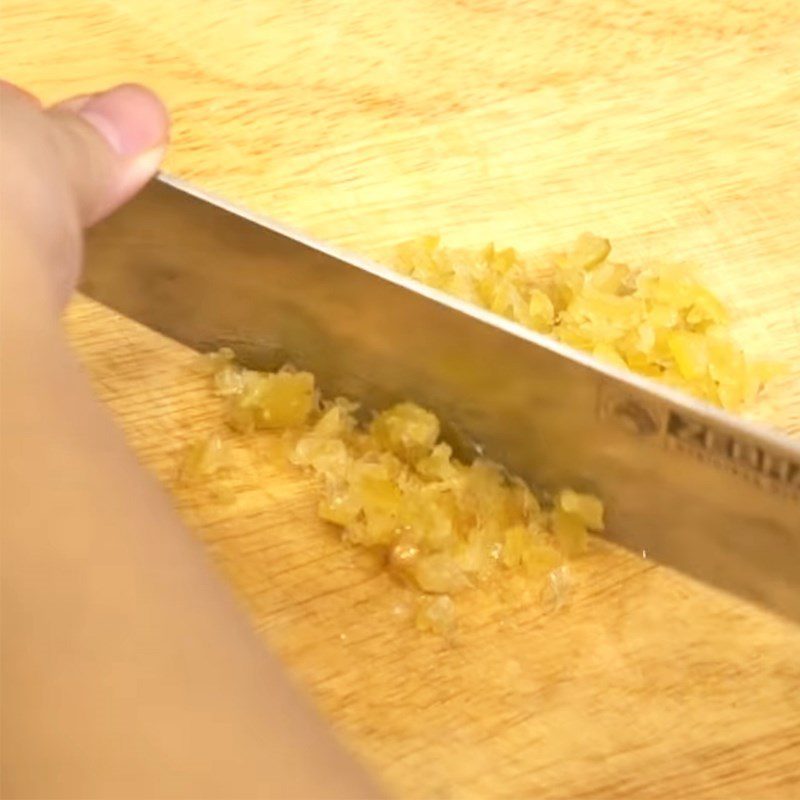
(673, 128)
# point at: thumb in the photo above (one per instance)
(109, 145)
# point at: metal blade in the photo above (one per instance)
(692, 486)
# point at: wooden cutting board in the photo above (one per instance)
(671, 127)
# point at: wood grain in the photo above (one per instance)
(645, 685)
(670, 127)
(673, 128)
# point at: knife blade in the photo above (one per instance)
(690, 485)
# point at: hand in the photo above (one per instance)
(66, 167)
(127, 669)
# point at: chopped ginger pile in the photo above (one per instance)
(657, 321)
(394, 487)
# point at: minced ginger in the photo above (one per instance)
(658, 321)
(394, 487)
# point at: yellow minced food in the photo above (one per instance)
(261, 400)
(659, 321)
(441, 526)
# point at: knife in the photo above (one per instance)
(689, 485)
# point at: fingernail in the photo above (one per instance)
(130, 118)
(139, 171)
